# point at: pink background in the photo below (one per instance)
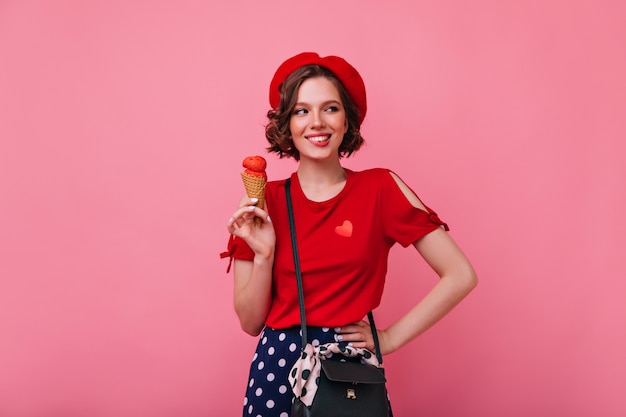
(123, 125)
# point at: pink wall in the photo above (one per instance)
(123, 124)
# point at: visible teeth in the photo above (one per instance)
(318, 138)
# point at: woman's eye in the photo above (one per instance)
(299, 111)
(332, 109)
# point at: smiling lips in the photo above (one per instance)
(318, 138)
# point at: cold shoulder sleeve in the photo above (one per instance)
(402, 221)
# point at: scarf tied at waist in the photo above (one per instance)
(305, 372)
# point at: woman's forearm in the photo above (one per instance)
(253, 291)
(444, 296)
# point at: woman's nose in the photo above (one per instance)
(317, 121)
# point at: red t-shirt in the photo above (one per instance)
(343, 246)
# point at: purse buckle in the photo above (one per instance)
(351, 394)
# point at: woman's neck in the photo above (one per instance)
(321, 182)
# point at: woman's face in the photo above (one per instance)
(318, 121)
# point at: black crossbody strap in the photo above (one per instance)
(370, 317)
(296, 260)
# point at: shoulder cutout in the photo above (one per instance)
(408, 193)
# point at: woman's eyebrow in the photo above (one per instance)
(333, 101)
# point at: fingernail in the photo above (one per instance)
(339, 337)
(254, 200)
(337, 329)
(350, 344)
(251, 208)
(231, 220)
(268, 219)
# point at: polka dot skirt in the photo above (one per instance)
(268, 393)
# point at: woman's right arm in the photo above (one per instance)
(253, 279)
(253, 293)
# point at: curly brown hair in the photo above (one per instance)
(277, 130)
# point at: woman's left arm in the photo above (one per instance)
(457, 278)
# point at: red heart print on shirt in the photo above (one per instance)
(345, 230)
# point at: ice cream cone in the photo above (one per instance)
(255, 188)
(254, 179)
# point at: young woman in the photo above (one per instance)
(346, 222)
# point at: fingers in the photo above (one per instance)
(245, 215)
(248, 201)
(356, 334)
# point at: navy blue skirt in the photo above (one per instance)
(268, 393)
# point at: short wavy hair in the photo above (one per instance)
(277, 130)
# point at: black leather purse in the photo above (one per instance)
(345, 388)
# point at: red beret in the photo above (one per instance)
(345, 72)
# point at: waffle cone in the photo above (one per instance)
(255, 188)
